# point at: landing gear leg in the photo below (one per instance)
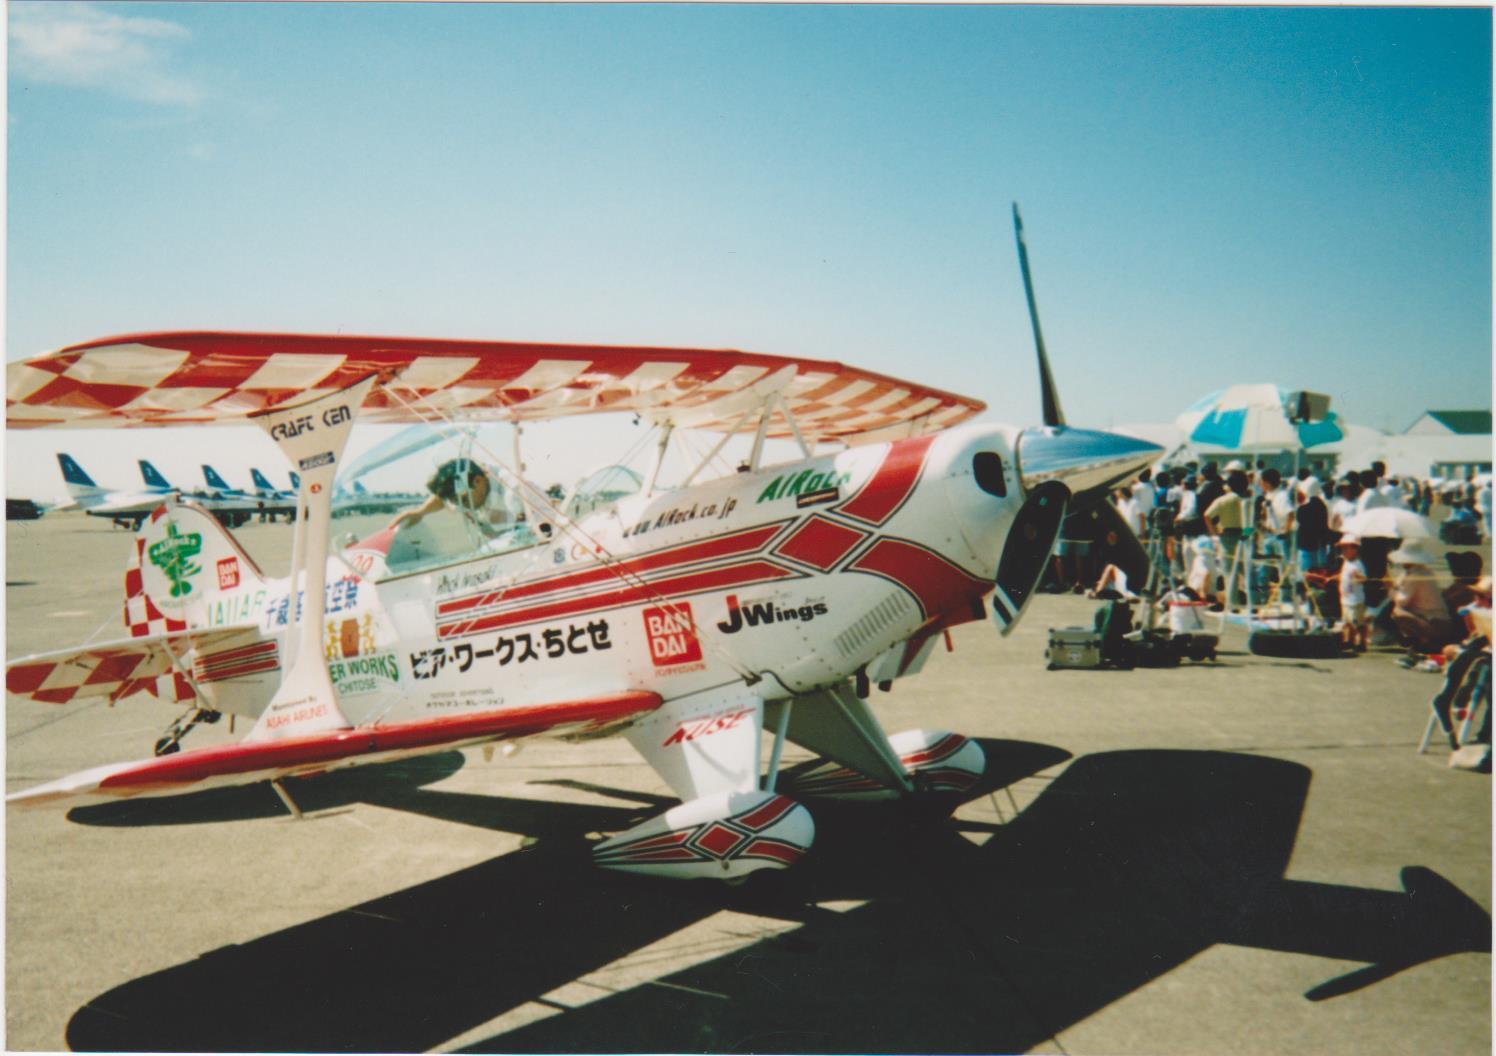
(171, 740)
(285, 797)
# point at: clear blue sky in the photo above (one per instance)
(1211, 195)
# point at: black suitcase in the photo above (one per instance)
(1311, 645)
(1196, 646)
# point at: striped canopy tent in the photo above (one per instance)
(1253, 418)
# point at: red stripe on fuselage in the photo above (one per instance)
(733, 544)
(820, 543)
(739, 575)
(891, 483)
(934, 582)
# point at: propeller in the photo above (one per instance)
(1091, 463)
(1048, 394)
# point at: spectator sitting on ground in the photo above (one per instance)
(1112, 584)
(1419, 610)
(1466, 566)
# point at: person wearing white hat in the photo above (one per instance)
(1355, 627)
(1423, 620)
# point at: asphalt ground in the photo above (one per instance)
(1245, 856)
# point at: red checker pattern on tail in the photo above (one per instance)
(142, 618)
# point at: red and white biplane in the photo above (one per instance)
(693, 621)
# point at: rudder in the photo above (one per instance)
(186, 565)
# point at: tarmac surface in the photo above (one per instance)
(1246, 856)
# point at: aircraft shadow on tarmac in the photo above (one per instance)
(1128, 864)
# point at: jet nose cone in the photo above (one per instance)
(1086, 461)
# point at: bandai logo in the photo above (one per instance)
(294, 428)
(672, 635)
(228, 573)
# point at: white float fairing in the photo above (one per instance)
(725, 836)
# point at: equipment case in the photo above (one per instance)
(1073, 647)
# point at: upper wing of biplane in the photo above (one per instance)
(221, 378)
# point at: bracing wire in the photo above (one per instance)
(614, 564)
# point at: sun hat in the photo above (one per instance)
(1412, 552)
(1348, 539)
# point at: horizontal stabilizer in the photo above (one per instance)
(114, 670)
(247, 762)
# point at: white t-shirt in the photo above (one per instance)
(1144, 496)
(1341, 510)
(1202, 574)
(1128, 508)
(1370, 499)
(1189, 505)
(1352, 583)
(1277, 510)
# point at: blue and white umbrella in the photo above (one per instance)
(1248, 418)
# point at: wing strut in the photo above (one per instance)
(784, 409)
(311, 435)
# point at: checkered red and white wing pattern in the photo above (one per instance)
(113, 669)
(214, 378)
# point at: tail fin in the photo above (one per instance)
(80, 485)
(153, 477)
(187, 572)
(259, 480)
(210, 475)
(73, 473)
(295, 481)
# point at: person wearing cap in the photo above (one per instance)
(1419, 610)
(465, 486)
(1355, 627)
(1226, 518)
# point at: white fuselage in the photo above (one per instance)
(791, 578)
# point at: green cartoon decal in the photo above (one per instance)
(173, 556)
